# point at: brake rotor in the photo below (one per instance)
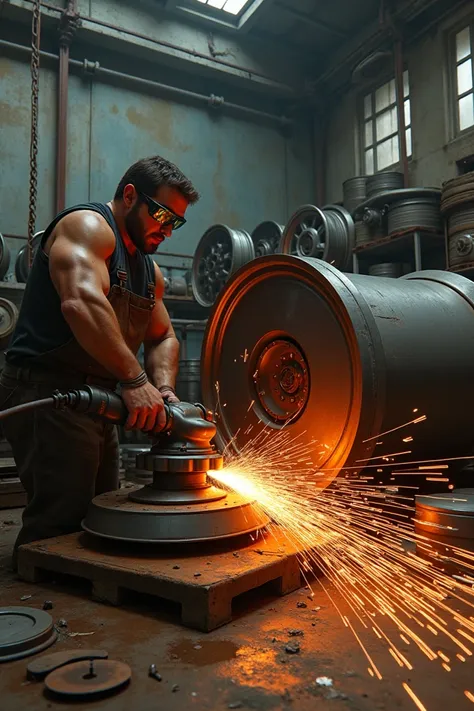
(90, 678)
(24, 631)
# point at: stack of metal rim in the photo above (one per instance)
(354, 192)
(384, 182)
(416, 210)
(457, 206)
(390, 270)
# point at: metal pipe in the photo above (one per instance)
(61, 146)
(169, 45)
(398, 53)
(202, 98)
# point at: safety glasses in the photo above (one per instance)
(162, 214)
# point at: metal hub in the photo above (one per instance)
(181, 504)
(309, 243)
(281, 379)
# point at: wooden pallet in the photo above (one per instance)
(203, 580)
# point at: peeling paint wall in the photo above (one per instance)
(246, 172)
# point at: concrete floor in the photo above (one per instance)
(242, 665)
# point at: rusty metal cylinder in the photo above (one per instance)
(342, 359)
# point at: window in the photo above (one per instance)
(381, 134)
(464, 83)
(234, 7)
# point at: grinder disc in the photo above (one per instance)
(89, 678)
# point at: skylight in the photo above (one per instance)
(233, 7)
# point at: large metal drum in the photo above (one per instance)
(338, 359)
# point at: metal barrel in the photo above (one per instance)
(381, 182)
(342, 360)
(416, 213)
(389, 270)
(188, 382)
(354, 192)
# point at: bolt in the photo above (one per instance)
(152, 671)
(47, 605)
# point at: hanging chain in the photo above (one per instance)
(35, 64)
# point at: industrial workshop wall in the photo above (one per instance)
(246, 171)
(436, 146)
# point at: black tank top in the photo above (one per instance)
(41, 326)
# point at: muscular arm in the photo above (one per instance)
(81, 244)
(161, 344)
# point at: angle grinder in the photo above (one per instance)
(181, 504)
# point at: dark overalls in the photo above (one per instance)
(65, 458)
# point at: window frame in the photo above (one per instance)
(453, 75)
(219, 16)
(371, 91)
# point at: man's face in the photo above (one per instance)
(145, 232)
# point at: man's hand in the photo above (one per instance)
(169, 395)
(146, 410)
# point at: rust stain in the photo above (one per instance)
(114, 109)
(203, 652)
(11, 115)
(156, 118)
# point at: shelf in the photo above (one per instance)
(389, 248)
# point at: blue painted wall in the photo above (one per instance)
(245, 172)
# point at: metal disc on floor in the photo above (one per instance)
(117, 517)
(24, 631)
(89, 678)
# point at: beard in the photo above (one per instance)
(135, 231)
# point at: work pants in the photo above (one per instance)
(63, 458)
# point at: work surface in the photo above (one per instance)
(245, 664)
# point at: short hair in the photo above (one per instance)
(149, 174)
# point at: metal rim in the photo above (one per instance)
(22, 268)
(327, 234)
(261, 289)
(4, 257)
(8, 320)
(220, 252)
(266, 238)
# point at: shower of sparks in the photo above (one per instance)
(360, 535)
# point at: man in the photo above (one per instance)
(93, 296)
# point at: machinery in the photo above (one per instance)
(180, 504)
(358, 371)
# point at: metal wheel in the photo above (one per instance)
(22, 268)
(266, 238)
(8, 319)
(219, 254)
(327, 234)
(4, 257)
